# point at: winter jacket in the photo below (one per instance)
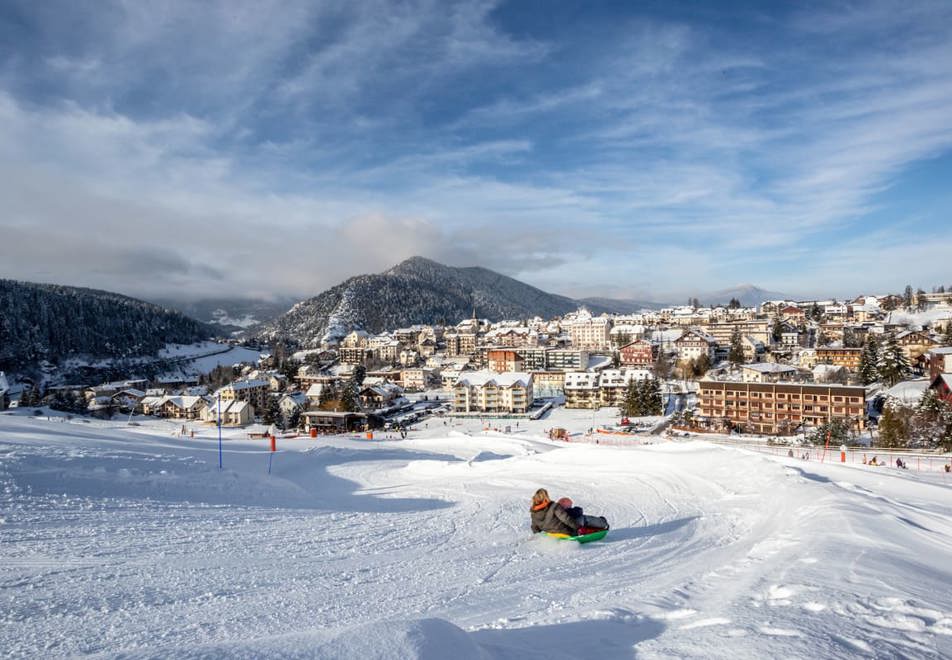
(553, 518)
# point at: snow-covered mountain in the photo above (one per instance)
(620, 305)
(417, 290)
(748, 295)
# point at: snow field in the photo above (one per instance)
(126, 541)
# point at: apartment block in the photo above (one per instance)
(776, 408)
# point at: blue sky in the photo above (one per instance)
(647, 150)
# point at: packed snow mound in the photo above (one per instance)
(424, 639)
(416, 639)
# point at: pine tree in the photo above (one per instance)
(907, 297)
(947, 335)
(733, 304)
(893, 366)
(630, 407)
(869, 361)
(662, 366)
(702, 365)
(815, 312)
(272, 411)
(932, 424)
(652, 401)
(894, 425)
(776, 333)
(736, 353)
(921, 302)
(293, 419)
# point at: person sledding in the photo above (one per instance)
(552, 518)
(587, 524)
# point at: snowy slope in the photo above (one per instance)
(128, 540)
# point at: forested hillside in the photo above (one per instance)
(52, 322)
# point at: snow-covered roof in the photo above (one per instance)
(908, 391)
(315, 389)
(769, 367)
(482, 378)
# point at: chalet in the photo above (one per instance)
(915, 343)
(292, 401)
(181, 407)
(639, 353)
(379, 395)
(231, 413)
(693, 344)
(486, 392)
(128, 399)
(766, 372)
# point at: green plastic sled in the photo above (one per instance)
(584, 538)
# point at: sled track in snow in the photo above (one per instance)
(710, 549)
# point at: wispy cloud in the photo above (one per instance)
(283, 146)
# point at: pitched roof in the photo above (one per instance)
(481, 378)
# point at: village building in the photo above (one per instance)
(840, 356)
(915, 343)
(418, 379)
(232, 412)
(255, 391)
(355, 355)
(379, 395)
(581, 390)
(589, 332)
(766, 372)
(547, 384)
(487, 392)
(780, 408)
(291, 402)
(639, 353)
(566, 359)
(501, 361)
(181, 407)
(694, 343)
(613, 384)
(329, 421)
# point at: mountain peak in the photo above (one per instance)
(413, 265)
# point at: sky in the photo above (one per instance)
(635, 150)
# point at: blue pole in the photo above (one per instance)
(219, 431)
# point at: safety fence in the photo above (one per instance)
(873, 457)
